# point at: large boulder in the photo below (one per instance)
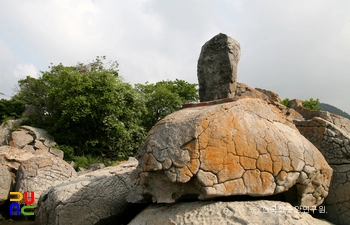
(337, 202)
(33, 172)
(217, 68)
(5, 183)
(333, 140)
(235, 213)
(42, 171)
(246, 147)
(97, 197)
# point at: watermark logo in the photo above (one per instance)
(15, 207)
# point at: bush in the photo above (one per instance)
(87, 107)
(311, 104)
(10, 109)
(285, 102)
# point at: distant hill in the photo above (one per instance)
(333, 109)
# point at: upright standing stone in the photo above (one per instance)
(217, 68)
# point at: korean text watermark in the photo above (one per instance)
(289, 209)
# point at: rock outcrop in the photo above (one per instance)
(42, 171)
(94, 198)
(33, 163)
(5, 184)
(32, 139)
(337, 202)
(235, 213)
(339, 121)
(217, 68)
(12, 158)
(333, 142)
(5, 130)
(330, 134)
(245, 147)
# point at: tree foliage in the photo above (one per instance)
(165, 97)
(10, 109)
(87, 106)
(285, 102)
(309, 104)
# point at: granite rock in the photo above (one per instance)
(217, 68)
(245, 147)
(235, 213)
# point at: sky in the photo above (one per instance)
(295, 48)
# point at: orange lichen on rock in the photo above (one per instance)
(245, 147)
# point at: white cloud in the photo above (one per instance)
(8, 63)
(25, 69)
(296, 48)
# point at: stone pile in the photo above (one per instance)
(34, 139)
(32, 163)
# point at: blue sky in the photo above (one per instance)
(296, 48)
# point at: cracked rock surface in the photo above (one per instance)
(97, 197)
(235, 213)
(40, 172)
(330, 134)
(5, 130)
(245, 147)
(5, 183)
(12, 158)
(217, 68)
(33, 139)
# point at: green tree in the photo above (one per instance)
(87, 106)
(10, 109)
(311, 104)
(165, 97)
(285, 102)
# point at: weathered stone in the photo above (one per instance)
(29, 148)
(331, 140)
(41, 135)
(245, 90)
(96, 166)
(246, 144)
(341, 122)
(338, 201)
(40, 172)
(19, 139)
(5, 183)
(57, 152)
(31, 138)
(12, 158)
(330, 134)
(269, 96)
(94, 198)
(217, 68)
(235, 213)
(5, 130)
